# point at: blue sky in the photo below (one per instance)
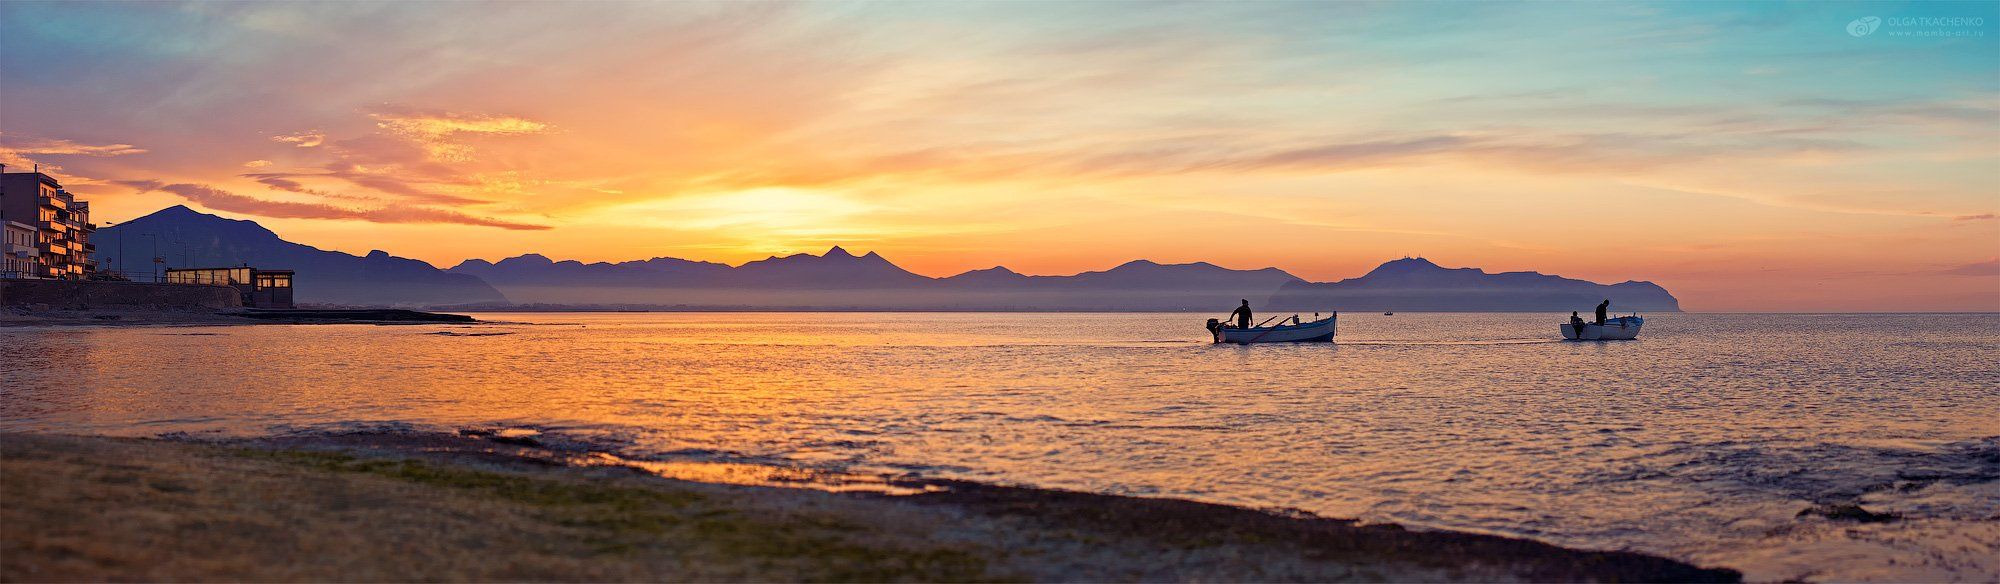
(1746, 155)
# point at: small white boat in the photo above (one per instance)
(1623, 328)
(1317, 331)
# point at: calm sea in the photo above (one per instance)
(1703, 441)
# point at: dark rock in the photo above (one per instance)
(1849, 512)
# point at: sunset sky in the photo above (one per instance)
(1747, 157)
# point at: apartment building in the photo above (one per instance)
(61, 225)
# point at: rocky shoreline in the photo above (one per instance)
(487, 506)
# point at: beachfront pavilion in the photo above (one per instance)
(260, 288)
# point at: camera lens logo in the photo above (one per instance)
(1864, 26)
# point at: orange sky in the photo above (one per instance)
(1747, 158)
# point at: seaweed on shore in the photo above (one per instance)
(1191, 524)
(443, 506)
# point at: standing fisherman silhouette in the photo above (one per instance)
(1242, 315)
(1600, 310)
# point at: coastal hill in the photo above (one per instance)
(1416, 284)
(839, 279)
(836, 269)
(324, 277)
(1133, 275)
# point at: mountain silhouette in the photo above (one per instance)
(838, 279)
(1198, 276)
(1417, 284)
(538, 270)
(994, 276)
(836, 269)
(189, 238)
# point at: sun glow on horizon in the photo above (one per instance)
(1745, 157)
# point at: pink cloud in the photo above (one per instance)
(306, 139)
(222, 200)
(16, 151)
(1986, 268)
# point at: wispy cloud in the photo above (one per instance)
(281, 182)
(1073, 134)
(440, 133)
(285, 182)
(1986, 268)
(25, 151)
(306, 139)
(390, 183)
(66, 147)
(222, 200)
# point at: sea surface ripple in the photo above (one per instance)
(1722, 439)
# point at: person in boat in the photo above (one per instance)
(1602, 307)
(1242, 315)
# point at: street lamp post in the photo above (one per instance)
(157, 260)
(121, 251)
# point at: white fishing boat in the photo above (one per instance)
(1623, 328)
(1292, 330)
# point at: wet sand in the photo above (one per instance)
(487, 506)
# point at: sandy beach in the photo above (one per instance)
(483, 507)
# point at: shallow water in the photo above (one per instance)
(1703, 441)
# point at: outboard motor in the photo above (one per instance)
(1214, 325)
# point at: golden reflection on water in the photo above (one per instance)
(765, 475)
(1702, 440)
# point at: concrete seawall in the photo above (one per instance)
(85, 294)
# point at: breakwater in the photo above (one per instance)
(76, 294)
